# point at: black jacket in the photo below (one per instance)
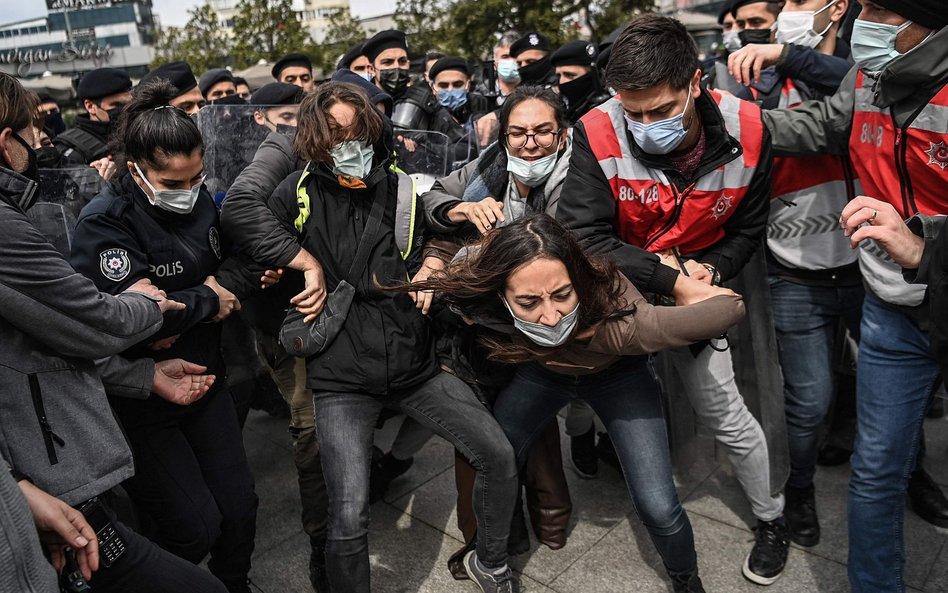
(385, 345)
(588, 206)
(84, 143)
(933, 270)
(121, 238)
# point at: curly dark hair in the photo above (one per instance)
(472, 284)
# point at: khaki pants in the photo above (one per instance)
(289, 373)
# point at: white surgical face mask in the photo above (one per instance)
(533, 173)
(873, 44)
(732, 40)
(508, 71)
(545, 335)
(663, 136)
(352, 158)
(796, 28)
(178, 201)
(367, 76)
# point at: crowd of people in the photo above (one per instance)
(579, 252)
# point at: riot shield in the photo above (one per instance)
(231, 138)
(62, 194)
(424, 155)
(753, 344)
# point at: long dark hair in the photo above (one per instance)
(473, 284)
(317, 132)
(150, 131)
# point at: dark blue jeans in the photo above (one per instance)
(627, 399)
(896, 376)
(806, 319)
(345, 423)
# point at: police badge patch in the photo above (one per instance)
(214, 238)
(114, 264)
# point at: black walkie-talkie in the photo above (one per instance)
(111, 544)
(71, 579)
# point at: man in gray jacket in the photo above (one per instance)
(56, 428)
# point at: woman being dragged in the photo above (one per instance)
(574, 325)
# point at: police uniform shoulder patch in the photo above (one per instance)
(114, 264)
(214, 238)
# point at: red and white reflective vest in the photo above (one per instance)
(906, 167)
(652, 212)
(809, 194)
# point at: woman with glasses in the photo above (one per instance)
(519, 175)
(157, 221)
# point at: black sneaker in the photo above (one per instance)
(488, 582)
(384, 472)
(927, 499)
(582, 452)
(767, 559)
(800, 513)
(687, 583)
(317, 568)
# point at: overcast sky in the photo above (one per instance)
(173, 12)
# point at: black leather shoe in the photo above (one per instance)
(800, 513)
(687, 583)
(831, 455)
(767, 559)
(607, 451)
(927, 499)
(582, 453)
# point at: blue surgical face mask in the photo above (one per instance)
(178, 201)
(873, 44)
(508, 71)
(352, 158)
(453, 99)
(545, 335)
(533, 173)
(663, 136)
(367, 76)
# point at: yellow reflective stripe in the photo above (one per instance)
(411, 219)
(302, 201)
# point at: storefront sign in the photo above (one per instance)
(70, 52)
(79, 4)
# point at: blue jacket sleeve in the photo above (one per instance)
(820, 72)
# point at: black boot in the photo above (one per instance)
(927, 499)
(582, 452)
(384, 472)
(607, 451)
(832, 455)
(317, 568)
(800, 513)
(687, 583)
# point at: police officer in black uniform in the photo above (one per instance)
(188, 97)
(294, 69)
(157, 221)
(103, 92)
(532, 52)
(580, 81)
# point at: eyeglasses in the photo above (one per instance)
(544, 139)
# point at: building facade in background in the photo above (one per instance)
(80, 35)
(314, 14)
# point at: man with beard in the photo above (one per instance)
(103, 92)
(579, 80)
(295, 69)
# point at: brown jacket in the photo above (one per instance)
(650, 329)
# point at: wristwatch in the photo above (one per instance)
(715, 275)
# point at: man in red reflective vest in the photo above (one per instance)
(670, 168)
(891, 116)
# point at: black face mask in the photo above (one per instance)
(537, 72)
(578, 90)
(32, 170)
(394, 81)
(760, 36)
(286, 130)
(47, 157)
(55, 124)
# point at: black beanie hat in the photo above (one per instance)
(932, 14)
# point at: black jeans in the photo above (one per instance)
(193, 481)
(146, 568)
(345, 423)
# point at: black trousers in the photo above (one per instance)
(193, 482)
(146, 568)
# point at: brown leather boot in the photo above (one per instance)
(548, 501)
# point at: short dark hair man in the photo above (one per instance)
(356, 60)
(388, 53)
(668, 167)
(277, 104)
(243, 88)
(216, 84)
(295, 69)
(103, 92)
